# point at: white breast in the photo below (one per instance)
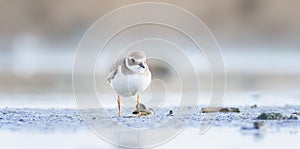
(130, 85)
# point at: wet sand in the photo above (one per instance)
(33, 128)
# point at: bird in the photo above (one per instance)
(129, 76)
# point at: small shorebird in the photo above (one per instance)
(130, 76)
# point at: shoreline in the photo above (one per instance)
(47, 120)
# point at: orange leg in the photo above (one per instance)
(119, 107)
(139, 105)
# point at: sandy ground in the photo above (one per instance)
(66, 128)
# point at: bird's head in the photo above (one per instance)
(136, 61)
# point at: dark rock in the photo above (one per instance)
(254, 106)
(293, 117)
(271, 116)
(135, 112)
(21, 120)
(144, 111)
(224, 110)
(171, 113)
(233, 110)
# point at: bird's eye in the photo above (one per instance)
(132, 60)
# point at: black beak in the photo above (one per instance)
(141, 64)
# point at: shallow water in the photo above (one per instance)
(48, 120)
(55, 122)
(33, 128)
(215, 138)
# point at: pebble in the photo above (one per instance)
(171, 113)
(213, 109)
(271, 116)
(144, 111)
(293, 117)
(254, 106)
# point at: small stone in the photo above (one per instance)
(21, 120)
(210, 110)
(254, 106)
(293, 117)
(224, 110)
(234, 110)
(135, 112)
(271, 116)
(214, 109)
(171, 113)
(144, 111)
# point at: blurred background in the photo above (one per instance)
(260, 42)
